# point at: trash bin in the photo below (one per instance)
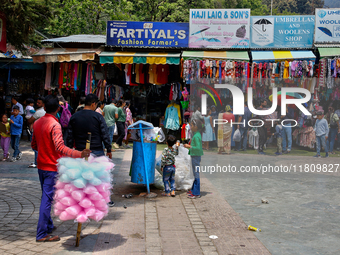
(137, 167)
(143, 157)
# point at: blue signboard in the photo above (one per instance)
(147, 34)
(282, 31)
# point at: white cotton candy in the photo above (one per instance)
(80, 183)
(73, 173)
(64, 178)
(88, 175)
(95, 181)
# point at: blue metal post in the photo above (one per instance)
(145, 169)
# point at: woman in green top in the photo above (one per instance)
(120, 123)
(196, 151)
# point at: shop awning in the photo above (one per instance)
(231, 55)
(329, 52)
(281, 55)
(47, 55)
(108, 57)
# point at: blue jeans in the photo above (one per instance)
(321, 140)
(287, 135)
(331, 138)
(196, 186)
(244, 138)
(15, 141)
(169, 177)
(111, 132)
(47, 182)
(98, 153)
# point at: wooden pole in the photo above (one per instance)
(88, 142)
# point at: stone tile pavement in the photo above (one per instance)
(139, 225)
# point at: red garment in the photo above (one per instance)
(141, 74)
(183, 132)
(162, 74)
(229, 117)
(171, 93)
(48, 140)
(61, 75)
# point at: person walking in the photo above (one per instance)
(321, 132)
(47, 139)
(195, 151)
(209, 134)
(5, 137)
(128, 122)
(16, 130)
(224, 131)
(100, 107)
(278, 135)
(110, 113)
(40, 112)
(334, 129)
(16, 103)
(287, 131)
(85, 121)
(244, 128)
(120, 124)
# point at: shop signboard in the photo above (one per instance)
(219, 28)
(2, 32)
(327, 25)
(282, 31)
(147, 34)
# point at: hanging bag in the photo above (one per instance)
(333, 123)
(65, 116)
(237, 136)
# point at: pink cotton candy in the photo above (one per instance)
(66, 216)
(60, 185)
(99, 215)
(57, 212)
(60, 206)
(90, 189)
(61, 193)
(103, 187)
(78, 195)
(69, 201)
(85, 203)
(95, 196)
(100, 204)
(73, 210)
(90, 211)
(81, 218)
(107, 196)
(70, 187)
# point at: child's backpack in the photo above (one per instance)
(65, 116)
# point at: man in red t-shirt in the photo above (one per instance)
(48, 140)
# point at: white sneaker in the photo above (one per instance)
(32, 165)
(127, 146)
(116, 146)
(19, 156)
(13, 159)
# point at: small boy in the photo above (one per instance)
(168, 166)
(16, 130)
(321, 132)
(278, 135)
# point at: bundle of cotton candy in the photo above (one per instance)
(83, 189)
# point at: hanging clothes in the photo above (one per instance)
(48, 76)
(172, 119)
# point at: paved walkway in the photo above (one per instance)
(139, 225)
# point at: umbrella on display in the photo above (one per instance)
(200, 31)
(208, 39)
(263, 22)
